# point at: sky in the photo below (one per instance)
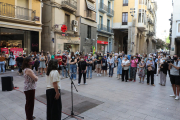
(163, 15)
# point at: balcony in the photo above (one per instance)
(93, 1)
(110, 12)
(17, 12)
(142, 26)
(105, 29)
(69, 5)
(90, 15)
(124, 23)
(102, 8)
(125, 4)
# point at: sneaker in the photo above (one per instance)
(177, 98)
(153, 84)
(12, 70)
(85, 83)
(142, 82)
(78, 84)
(100, 75)
(172, 96)
(97, 75)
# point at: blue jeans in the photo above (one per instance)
(89, 71)
(63, 70)
(2, 65)
(73, 70)
(110, 71)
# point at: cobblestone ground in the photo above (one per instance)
(121, 100)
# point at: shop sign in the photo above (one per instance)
(16, 51)
(5, 50)
(75, 42)
(102, 42)
(63, 37)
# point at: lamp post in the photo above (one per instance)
(132, 12)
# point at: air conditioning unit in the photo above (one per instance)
(75, 29)
(75, 22)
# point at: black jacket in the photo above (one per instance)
(164, 67)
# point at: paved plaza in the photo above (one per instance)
(108, 99)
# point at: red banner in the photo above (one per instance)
(102, 42)
(16, 51)
(5, 49)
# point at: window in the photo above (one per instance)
(125, 2)
(89, 32)
(67, 21)
(179, 28)
(109, 7)
(100, 22)
(124, 18)
(108, 26)
(141, 1)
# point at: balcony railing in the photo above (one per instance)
(110, 12)
(71, 3)
(17, 12)
(90, 15)
(102, 7)
(102, 27)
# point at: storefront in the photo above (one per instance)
(68, 43)
(16, 38)
(102, 46)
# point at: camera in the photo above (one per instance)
(170, 61)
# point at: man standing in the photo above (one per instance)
(99, 57)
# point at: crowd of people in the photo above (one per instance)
(77, 64)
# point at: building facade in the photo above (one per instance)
(175, 31)
(20, 24)
(104, 18)
(135, 26)
(60, 26)
(86, 16)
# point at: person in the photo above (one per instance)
(2, 63)
(53, 91)
(11, 61)
(29, 87)
(123, 54)
(19, 61)
(53, 55)
(157, 61)
(36, 63)
(48, 58)
(99, 58)
(59, 58)
(42, 63)
(73, 67)
(104, 65)
(150, 70)
(142, 67)
(119, 68)
(89, 62)
(163, 72)
(64, 66)
(111, 65)
(68, 58)
(125, 68)
(134, 62)
(6, 57)
(174, 67)
(82, 68)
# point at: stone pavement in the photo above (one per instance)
(120, 100)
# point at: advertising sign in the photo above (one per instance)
(16, 51)
(102, 42)
(5, 49)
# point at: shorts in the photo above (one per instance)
(175, 79)
(98, 66)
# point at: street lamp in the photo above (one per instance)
(132, 12)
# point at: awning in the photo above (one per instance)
(90, 6)
(102, 42)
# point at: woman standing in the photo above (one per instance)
(2, 63)
(19, 61)
(82, 68)
(36, 63)
(29, 87)
(89, 62)
(119, 68)
(125, 68)
(53, 92)
(111, 65)
(11, 61)
(104, 65)
(150, 70)
(42, 63)
(142, 68)
(73, 67)
(133, 70)
(163, 72)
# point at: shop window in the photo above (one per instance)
(89, 32)
(124, 18)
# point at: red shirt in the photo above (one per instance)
(56, 57)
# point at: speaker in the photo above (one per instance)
(7, 83)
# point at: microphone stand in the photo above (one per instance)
(72, 111)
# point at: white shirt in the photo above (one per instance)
(54, 76)
(111, 61)
(125, 63)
